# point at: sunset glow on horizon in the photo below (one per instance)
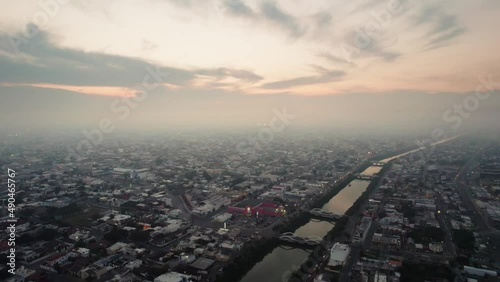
(264, 47)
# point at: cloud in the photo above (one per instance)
(444, 37)
(148, 45)
(376, 49)
(366, 6)
(270, 13)
(55, 65)
(443, 26)
(239, 8)
(323, 19)
(221, 73)
(324, 76)
(181, 3)
(333, 58)
(38, 60)
(273, 13)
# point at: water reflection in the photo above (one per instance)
(277, 266)
(315, 228)
(371, 170)
(282, 261)
(345, 198)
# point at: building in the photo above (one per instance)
(436, 247)
(59, 258)
(80, 235)
(323, 277)
(57, 202)
(479, 272)
(22, 274)
(202, 264)
(116, 247)
(379, 277)
(133, 173)
(338, 255)
(172, 277)
(362, 230)
(222, 217)
(257, 207)
(83, 252)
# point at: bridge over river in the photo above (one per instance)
(324, 214)
(296, 239)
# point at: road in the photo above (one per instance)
(449, 246)
(346, 273)
(490, 235)
(465, 193)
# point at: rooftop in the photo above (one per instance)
(202, 263)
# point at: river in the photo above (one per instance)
(283, 260)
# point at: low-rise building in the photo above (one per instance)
(338, 256)
(172, 277)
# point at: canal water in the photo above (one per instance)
(283, 260)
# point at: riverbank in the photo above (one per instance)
(253, 253)
(318, 255)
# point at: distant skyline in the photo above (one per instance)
(229, 58)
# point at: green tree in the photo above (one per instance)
(81, 244)
(465, 239)
(139, 236)
(115, 235)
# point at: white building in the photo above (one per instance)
(222, 217)
(436, 247)
(469, 270)
(116, 247)
(80, 235)
(338, 255)
(134, 264)
(172, 277)
(380, 277)
(83, 252)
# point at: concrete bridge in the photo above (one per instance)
(378, 164)
(364, 177)
(324, 214)
(296, 239)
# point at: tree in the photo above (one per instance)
(47, 234)
(27, 212)
(25, 238)
(139, 236)
(115, 235)
(427, 234)
(81, 244)
(465, 239)
(207, 176)
(95, 216)
(407, 210)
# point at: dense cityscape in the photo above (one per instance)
(161, 208)
(250, 141)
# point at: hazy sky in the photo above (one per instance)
(234, 61)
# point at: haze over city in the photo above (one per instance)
(227, 64)
(250, 141)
